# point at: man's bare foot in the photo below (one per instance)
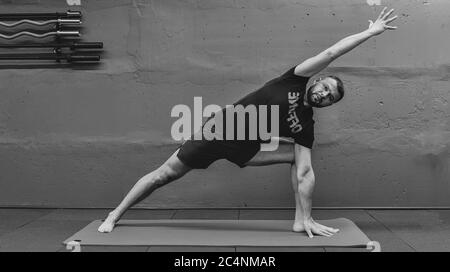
(298, 226)
(108, 225)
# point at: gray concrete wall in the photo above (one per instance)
(81, 138)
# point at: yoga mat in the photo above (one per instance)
(249, 233)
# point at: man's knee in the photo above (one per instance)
(289, 155)
(166, 174)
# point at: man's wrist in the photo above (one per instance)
(369, 33)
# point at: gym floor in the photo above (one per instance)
(396, 230)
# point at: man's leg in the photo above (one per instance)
(170, 171)
(284, 154)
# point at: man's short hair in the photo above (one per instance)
(340, 87)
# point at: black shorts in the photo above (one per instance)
(200, 154)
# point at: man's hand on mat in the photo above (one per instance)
(313, 228)
(381, 24)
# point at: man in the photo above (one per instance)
(295, 104)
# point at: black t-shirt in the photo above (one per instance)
(287, 92)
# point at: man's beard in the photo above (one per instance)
(310, 100)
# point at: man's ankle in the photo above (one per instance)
(113, 215)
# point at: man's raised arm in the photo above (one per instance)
(317, 63)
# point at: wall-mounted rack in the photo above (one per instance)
(61, 50)
(41, 16)
(62, 22)
(41, 36)
(70, 45)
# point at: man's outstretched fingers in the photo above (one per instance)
(387, 14)
(331, 230)
(391, 19)
(309, 232)
(327, 230)
(382, 13)
(326, 233)
(320, 230)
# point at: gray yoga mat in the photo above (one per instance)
(257, 233)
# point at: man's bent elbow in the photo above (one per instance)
(331, 54)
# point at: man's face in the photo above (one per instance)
(323, 92)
